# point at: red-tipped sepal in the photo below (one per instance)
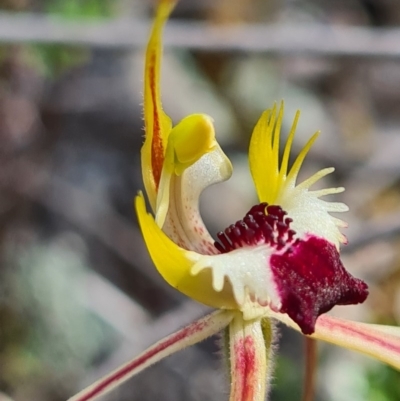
(189, 335)
(379, 342)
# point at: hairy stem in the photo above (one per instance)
(250, 358)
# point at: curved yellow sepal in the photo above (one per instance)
(157, 123)
(174, 264)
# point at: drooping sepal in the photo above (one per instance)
(377, 341)
(174, 263)
(189, 335)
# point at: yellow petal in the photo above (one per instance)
(157, 123)
(276, 183)
(264, 155)
(260, 154)
(294, 171)
(174, 264)
(268, 172)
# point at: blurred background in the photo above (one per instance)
(78, 292)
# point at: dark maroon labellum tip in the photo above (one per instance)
(311, 280)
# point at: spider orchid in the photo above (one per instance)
(280, 262)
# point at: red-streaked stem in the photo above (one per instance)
(379, 342)
(248, 356)
(189, 335)
(310, 369)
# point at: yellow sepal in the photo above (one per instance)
(174, 264)
(157, 123)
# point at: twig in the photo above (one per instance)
(312, 39)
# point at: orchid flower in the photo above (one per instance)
(280, 262)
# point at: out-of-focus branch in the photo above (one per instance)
(312, 39)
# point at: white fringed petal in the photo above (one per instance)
(310, 214)
(248, 271)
